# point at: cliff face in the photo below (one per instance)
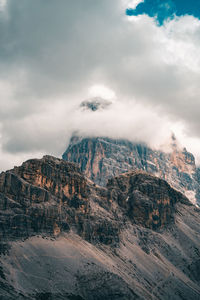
(51, 195)
(102, 158)
(148, 201)
(40, 195)
(63, 237)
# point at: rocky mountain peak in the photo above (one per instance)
(101, 158)
(94, 104)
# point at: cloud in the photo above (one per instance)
(131, 3)
(3, 5)
(128, 120)
(52, 54)
(102, 91)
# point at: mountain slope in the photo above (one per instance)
(63, 237)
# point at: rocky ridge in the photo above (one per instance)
(102, 158)
(64, 237)
(52, 195)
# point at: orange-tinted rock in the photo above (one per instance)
(50, 196)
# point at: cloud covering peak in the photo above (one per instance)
(53, 54)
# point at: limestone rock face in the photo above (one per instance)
(50, 196)
(148, 201)
(102, 158)
(63, 237)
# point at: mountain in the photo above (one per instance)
(64, 237)
(101, 158)
(94, 104)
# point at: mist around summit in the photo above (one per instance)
(54, 56)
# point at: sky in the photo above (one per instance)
(162, 10)
(141, 55)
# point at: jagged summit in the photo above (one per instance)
(101, 158)
(94, 104)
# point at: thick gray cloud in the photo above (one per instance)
(52, 52)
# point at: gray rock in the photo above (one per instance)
(63, 237)
(102, 158)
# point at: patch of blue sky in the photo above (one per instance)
(165, 9)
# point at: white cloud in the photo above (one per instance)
(182, 43)
(128, 120)
(3, 4)
(99, 90)
(130, 3)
